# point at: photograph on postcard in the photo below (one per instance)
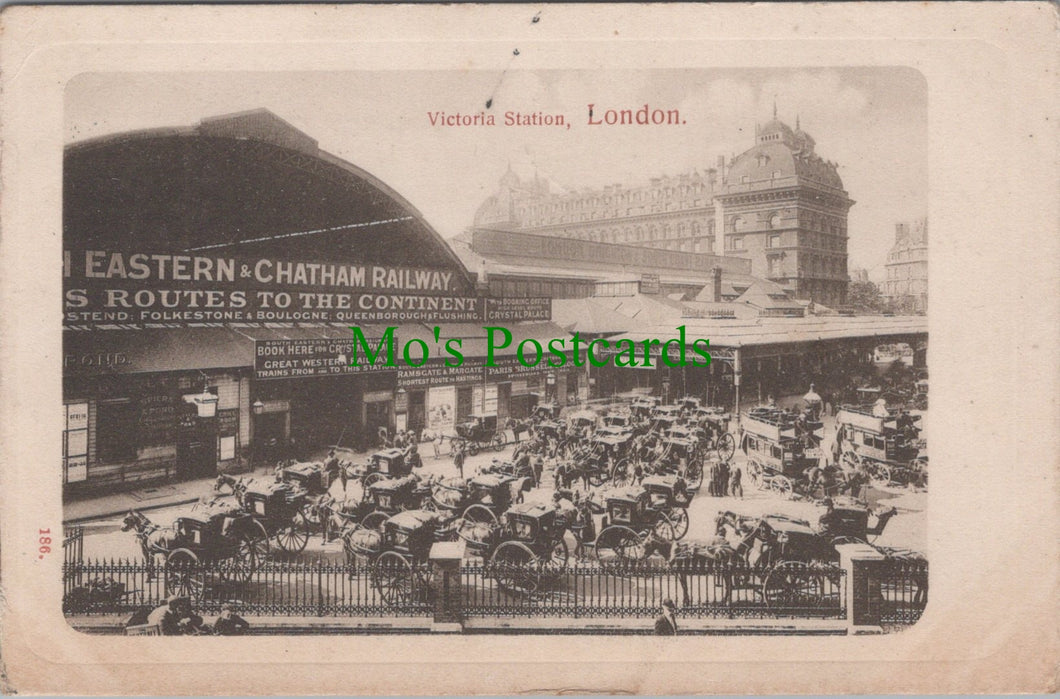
(524, 351)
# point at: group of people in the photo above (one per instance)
(175, 617)
(724, 478)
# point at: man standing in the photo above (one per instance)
(735, 482)
(666, 624)
(334, 470)
(813, 402)
(458, 457)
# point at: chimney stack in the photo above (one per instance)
(716, 279)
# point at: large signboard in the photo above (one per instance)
(286, 359)
(436, 373)
(516, 309)
(142, 288)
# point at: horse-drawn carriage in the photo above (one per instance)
(524, 466)
(631, 528)
(483, 498)
(552, 434)
(688, 404)
(615, 423)
(396, 552)
(524, 548)
(608, 459)
(715, 423)
(282, 512)
(480, 432)
(679, 456)
(386, 463)
(582, 422)
(642, 406)
(777, 457)
(887, 447)
(545, 412)
(223, 540)
(394, 495)
(790, 565)
(308, 476)
(669, 496)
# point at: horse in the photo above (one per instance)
(155, 540)
(919, 578)
(237, 486)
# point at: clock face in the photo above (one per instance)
(774, 222)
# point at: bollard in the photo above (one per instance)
(446, 590)
(861, 563)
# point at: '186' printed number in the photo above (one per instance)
(45, 540)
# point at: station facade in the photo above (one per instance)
(211, 277)
(778, 205)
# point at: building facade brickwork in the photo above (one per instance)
(779, 204)
(906, 284)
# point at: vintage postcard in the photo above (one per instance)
(473, 349)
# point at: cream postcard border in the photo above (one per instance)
(991, 624)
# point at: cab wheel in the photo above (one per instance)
(393, 579)
(373, 520)
(780, 485)
(679, 520)
(726, 447)
(184, 575)
(293, 536)
(515, 568)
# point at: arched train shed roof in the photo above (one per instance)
(246, 184)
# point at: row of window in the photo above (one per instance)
(683, 191)
(551, 218)
(775, 240)
(909, 271)
(629, 234)
(540, 288)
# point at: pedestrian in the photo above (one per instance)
(813, 402)
(229, 623)
(458, 457)
(723, 479)
(666, 624)
(712, 487)
(735, 482)
(855, 482)
(334, 471)
(175, 617)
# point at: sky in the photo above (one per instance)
(871, 121)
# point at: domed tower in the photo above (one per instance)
(784, 207)
(499, 210)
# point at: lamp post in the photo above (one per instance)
(256, 408)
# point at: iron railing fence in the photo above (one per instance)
(280, 588)
(73, 548)
(903, 590)
(719, 590)
(326, 588)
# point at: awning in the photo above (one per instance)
(101, 352)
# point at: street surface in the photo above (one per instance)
(103, 538)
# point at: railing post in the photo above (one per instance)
(446, 588)
(320, 587)
(862, 564)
